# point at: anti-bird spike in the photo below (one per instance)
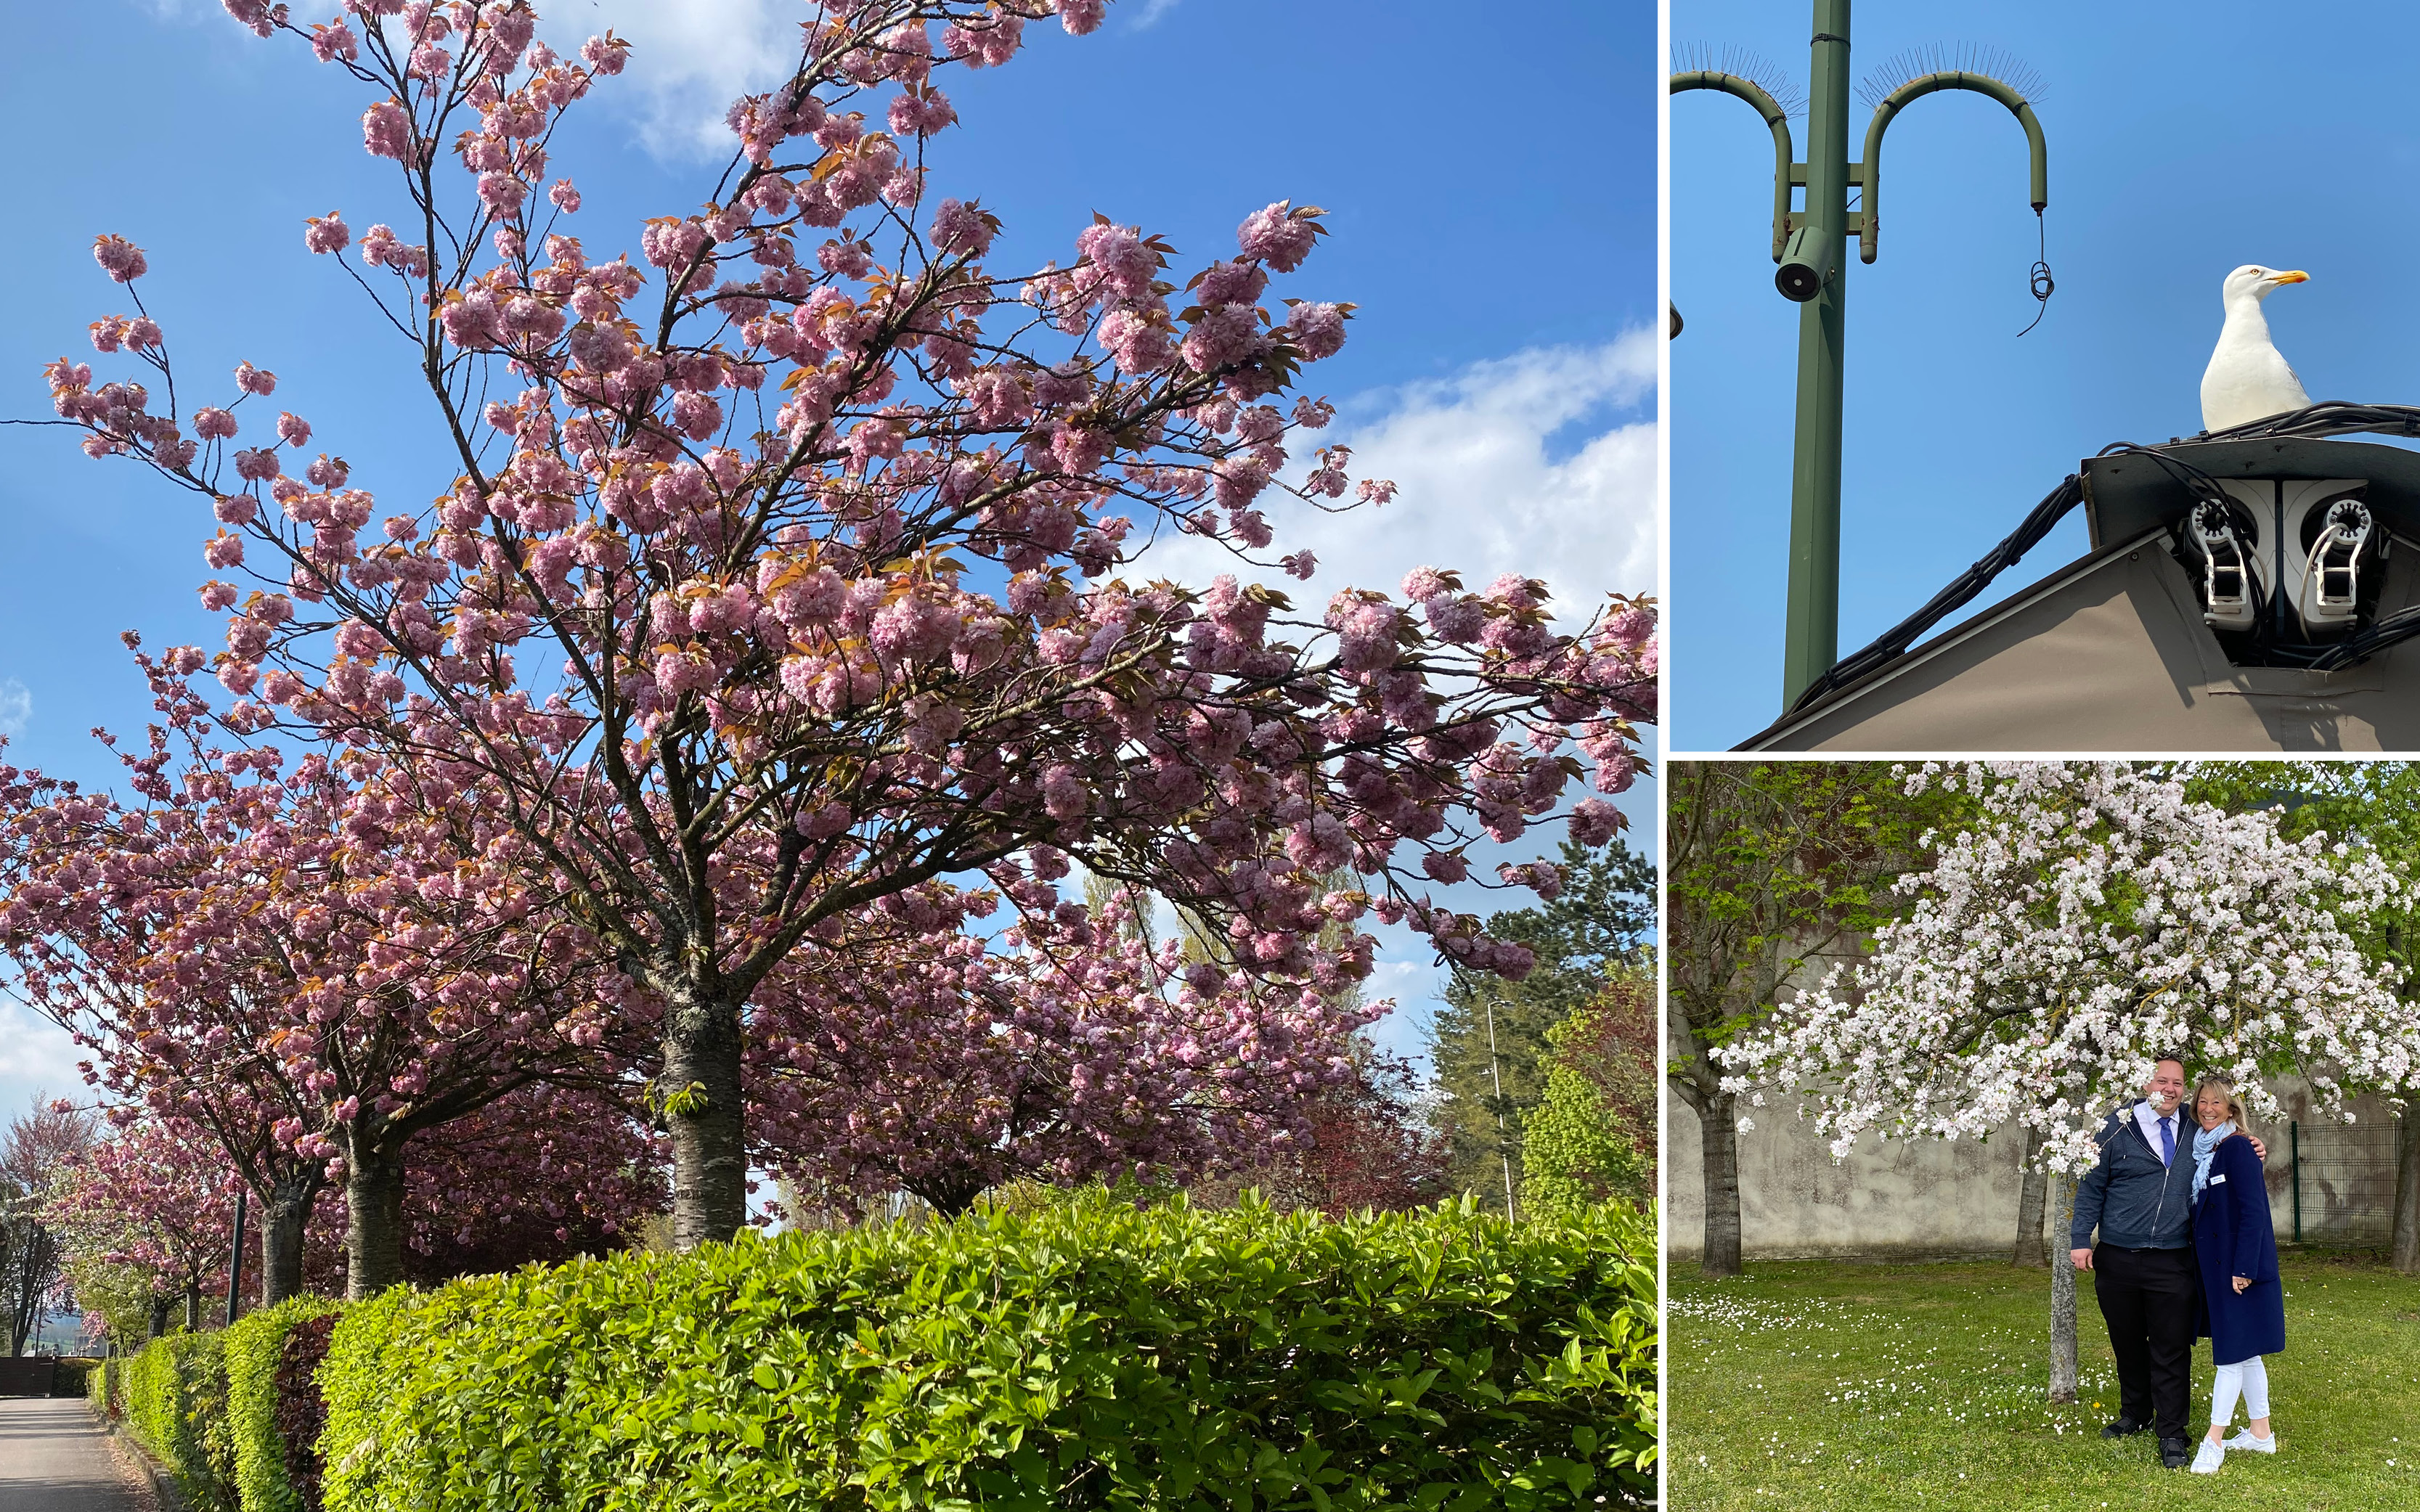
(1978, 59)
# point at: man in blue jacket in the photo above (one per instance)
(2140, 1195)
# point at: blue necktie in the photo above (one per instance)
(2167, 1144)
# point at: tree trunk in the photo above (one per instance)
(1718, 1138)
(2031, 1251)
(2062, 1300)
(700, 1096)
(2406, 1254)
(193, 1306)
(373, 1220)
(285, 1213)
(160, 1307)
(37, 1265)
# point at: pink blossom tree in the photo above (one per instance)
(948, 1064)
(157, 1197)
(270, 957)
(37, 1148)
(783, 571)
(540, 1175)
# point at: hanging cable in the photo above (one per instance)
(2333, 417)
(2042, 283)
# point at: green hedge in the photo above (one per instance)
(101, 1387)
(254, 1347)
(176, 1406)
(75, 1376)
(1089, 1355)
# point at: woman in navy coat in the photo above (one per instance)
(2243, 1304)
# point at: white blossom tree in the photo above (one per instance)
(2092, 920)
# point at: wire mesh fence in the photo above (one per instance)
(2337, 1182)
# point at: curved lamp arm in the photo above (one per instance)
(1731, 84)
(1981, 84)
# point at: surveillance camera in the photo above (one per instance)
(1806, 264)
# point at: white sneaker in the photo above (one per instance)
(2208, 1458)
(2245, 1440)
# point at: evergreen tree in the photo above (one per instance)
(1598, 922)
(1593, 1135)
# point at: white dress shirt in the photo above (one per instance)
(2147, 1120)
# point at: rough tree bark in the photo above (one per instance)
(284, 1212)
(373, 1220)
(2031, 1250)
(160, 1307)
(702, 1110)
(1695, 1081)
(2062, 1298)
(2406, 1252)
(1718, 1140)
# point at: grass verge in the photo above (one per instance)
(1828, 1385)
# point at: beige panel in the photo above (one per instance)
(2113, 656)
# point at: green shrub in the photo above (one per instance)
(1574, 1155)
(73, 1377)
(254, 1347)
(176, 1406)
(1086, 1356)
(101, 1387)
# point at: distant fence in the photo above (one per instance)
(29, 1377)
(2339, 1182)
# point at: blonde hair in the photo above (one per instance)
(2234, 1106)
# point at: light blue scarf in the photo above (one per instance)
(2206, 1143)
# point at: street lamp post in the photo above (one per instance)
(235, 1259)
(1809, 246)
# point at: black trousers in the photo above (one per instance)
(2149, 1299)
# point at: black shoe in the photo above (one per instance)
(2124, 1427)
(2175, 1453)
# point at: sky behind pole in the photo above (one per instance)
(2185, 139)
(1516, 407)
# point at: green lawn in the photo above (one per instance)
(1819, 1384)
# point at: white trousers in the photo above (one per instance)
(2249, 1378)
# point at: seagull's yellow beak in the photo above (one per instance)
(2297, 276)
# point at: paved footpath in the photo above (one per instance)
(54, 1457)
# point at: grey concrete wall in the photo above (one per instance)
(1928, 1198)
(1898, 1200)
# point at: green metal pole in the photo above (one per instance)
(1813, 631)
(2294, 1158)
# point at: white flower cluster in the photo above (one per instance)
(2091, 920)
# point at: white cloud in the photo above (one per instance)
(1478, 487)
(689, 60)
(16, 706)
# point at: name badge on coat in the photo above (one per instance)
(2218, 1181)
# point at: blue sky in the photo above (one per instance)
(1497, 270)
(2185, 139)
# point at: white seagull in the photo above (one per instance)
(2246, 380)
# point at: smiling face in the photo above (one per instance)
(2210, 1107)
(2166, 1087)
(2259, 283)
